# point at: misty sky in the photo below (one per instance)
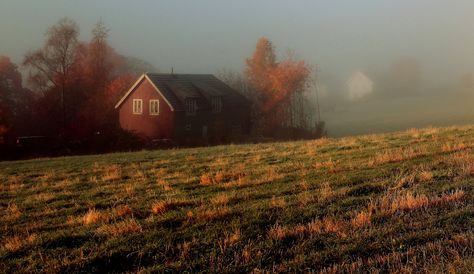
(207, 35)
(340, 37)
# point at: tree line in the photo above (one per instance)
(72, 86)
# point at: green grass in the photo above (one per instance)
(394, 202)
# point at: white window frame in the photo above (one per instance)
(137, 107)
(152, 110)
(216, 104)
(191, 106)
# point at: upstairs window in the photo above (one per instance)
(216, 104)
(191, 106)
(137, 106)
(154, 107)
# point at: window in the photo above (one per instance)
(137, 106)
(216, 103)
(154, 107)
(191, 106)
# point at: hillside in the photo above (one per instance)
(393, 202)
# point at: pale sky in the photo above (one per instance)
(340, 37)
(207, 35)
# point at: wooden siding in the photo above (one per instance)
(150, 126)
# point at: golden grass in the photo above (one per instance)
(129, 188)
(226, 178)
(394, 202)
(44, 197)
(112, 173)
(122, 211)
(330, 165)
(12, 212)
(166, 186)
(326, 192)
(160, 207)
(163, 206)
(304, 198)
(277, 202)
(206, 179)
(184, 249)
(449, 198)
(391, 203)
(212, 214)
(415, 259)
(425, 175)
(363, 218)
(396, 155)
(93, 216)
(129, 226)
(317, 226)
(15, 243)
(220, 199)
(229, 240)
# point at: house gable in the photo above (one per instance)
(137, 84)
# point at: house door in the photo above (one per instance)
(204, 132)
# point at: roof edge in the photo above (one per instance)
(129, 91)
(140, 79)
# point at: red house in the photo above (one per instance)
(186, 108)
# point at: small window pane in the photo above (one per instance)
(216, 104)
(191, 106)
(137, 106)
(154, 107)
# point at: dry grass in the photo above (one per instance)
(396, 155)
(277, 202)
(112, 173)
(449, 198)
(206, 179)
(246, 208)
(363, 218)
(129, 188)
(304, 198)
(94, 216)
(220, 199)
(330, 165)
(129, 226)
(44, 197)
(326, 192)
(184, 249)
(212, 214)
(15, 243)
(166, 186)
(425, 175)
(317, 226)
(393, 202)
(12, 212)
(122, 211)
(160, 207)
(229, 240)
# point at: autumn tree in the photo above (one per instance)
(14, 99)
(278, 84)
(100, 65)
(52, 67)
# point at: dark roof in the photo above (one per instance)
(176, 88)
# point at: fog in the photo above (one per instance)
(412, 59)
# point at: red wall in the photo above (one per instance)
(146, 125)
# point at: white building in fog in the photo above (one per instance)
(359, 85)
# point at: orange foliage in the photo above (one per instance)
(275, 81)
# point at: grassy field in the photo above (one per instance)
(400, 202)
